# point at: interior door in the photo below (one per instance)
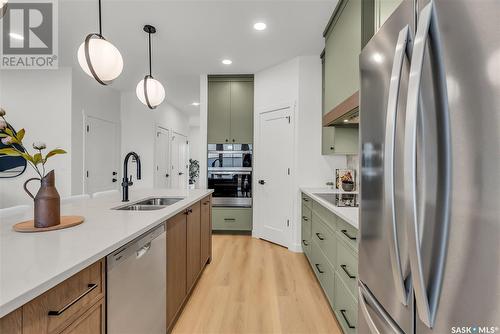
(274, 162)
(179, 161)
(459, 244)
(101, 153)
(162, 171)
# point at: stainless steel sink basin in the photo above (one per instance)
(136, 207)
(164, 201)
(150, 204)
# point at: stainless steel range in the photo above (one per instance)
(230, 174)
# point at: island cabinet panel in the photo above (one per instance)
(66, 303)
(206, 230)
(12, 323)
(193, 245)
(176, 265)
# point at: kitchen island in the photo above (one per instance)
(33, 263)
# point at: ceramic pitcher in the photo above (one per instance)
(47, 201)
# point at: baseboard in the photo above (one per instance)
(296, 248)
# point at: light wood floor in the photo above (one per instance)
(253, 286)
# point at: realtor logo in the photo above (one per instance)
(29, 35)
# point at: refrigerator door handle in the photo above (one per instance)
(402, 49)
(427, 302)
(366, 299)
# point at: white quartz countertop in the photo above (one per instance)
(32, 263)
(349, 214)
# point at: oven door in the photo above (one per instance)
(232, 187)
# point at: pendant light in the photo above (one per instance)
(99, 58)
(3, 7)
(149, 90)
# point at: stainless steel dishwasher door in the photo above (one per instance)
(137, 285)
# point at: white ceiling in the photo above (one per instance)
(194, 36)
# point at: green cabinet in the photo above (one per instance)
(339, 140)
(342, 48)
(231, 219)
(332, 250)
(230, 110)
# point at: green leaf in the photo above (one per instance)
(20, 135)
(10, 152)
(3, 135)
(28, 157)
(9, 132)
(54, 152)
(37, 159)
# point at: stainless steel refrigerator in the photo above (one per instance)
(429, 252)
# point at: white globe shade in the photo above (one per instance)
(155, 91)
(104, 57)
(3, 7)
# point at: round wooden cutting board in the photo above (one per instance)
(66, 221)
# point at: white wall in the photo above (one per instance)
(296, 82)
(138, 132)
(40, 102)
(89, 98)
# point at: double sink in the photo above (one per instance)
(150, 204)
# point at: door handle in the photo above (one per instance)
(427, 304)
(114, 180)
(344, 232)
(344, 268)
(343, 312)
(319, 270)
(305, 243)
(262, 182)
(90, 287)
(402, 48)
(320, 236)
(143, 250)
(365, 299)
(167, 175)
(181, 173)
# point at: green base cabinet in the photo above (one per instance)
(340, 140)
(330, 245)
(231, 219)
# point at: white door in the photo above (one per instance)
(101, 153)
(162, 170)
(179, 161)
(274, 159)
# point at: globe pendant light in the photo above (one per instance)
(3, 7)
(99, 58)
(149, 90)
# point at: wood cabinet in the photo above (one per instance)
(176, 264)
(332, 250)
(77, 305)
(230, 109)
(189, 248)
(206, 230)
(193, 245)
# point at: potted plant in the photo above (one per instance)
(47, 200)
(194, 172)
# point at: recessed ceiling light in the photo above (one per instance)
(346, 120)
(260, 26)
(195, 103)
(227, 61)
(16, 36)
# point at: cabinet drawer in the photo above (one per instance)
(328, 217)
(324, 272)
(92, 322)
(324, 238)
(347, 265)
(306, 201)
(232, 219)
(346, 307)
(348, 233)
(62, 305)
(306, 212)
(306, 228)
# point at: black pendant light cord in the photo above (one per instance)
(150, 71)
(100, 20)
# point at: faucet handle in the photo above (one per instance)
(130, 180)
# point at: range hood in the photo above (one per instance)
(345, 114)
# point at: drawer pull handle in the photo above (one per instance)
(230, 219)
(74, 301)
(347, 235)
(343, 312)
(344, 268)
(305, 199)
(206, 203)
(320, 236)
(305, 243)
(305, 218)
(320, 271)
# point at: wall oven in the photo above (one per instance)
(230, 174)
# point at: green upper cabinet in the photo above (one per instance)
(242, 112)
(383, 9)
(340, 140)
(342, 48)
(230, 109)
(219, 107)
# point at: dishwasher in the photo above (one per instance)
(137, 285)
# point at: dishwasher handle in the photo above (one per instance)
(143, 250)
